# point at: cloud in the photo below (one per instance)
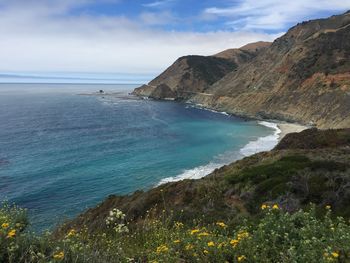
(158, 18)
(274, 14)
(37, 36)
(159, 4)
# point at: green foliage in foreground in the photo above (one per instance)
(276, 237)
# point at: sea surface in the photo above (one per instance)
(62, 152)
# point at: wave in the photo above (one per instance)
(265, 143)
(203, 170)
(201, 107)
(195, 173)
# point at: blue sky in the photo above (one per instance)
(139, 36)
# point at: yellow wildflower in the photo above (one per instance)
(12, 233)
(221, 224)
(189, 247)
(177, 241)
(211, 244)
(275, 206)
(264, 206)
(162, 249)
(328, 207)
(5, 225)
(241, 258)
(203, 234)
(71, 233)
(194, 231)
(234, 242)
(242, 234)
(335, 254)
(59, 255)
(205, 251)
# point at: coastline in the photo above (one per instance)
(287, 128)
(264, 143)
(261, 144)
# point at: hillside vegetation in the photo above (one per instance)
(276, 236)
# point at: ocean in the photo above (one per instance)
(62, 152)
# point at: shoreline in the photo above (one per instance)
(262, 144)
(287, 128)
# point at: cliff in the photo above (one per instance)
(304, 76)
(190, 75)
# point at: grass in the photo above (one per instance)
(284, 167)
(277, 178)
(276, 237)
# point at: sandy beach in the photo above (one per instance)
(289, 128)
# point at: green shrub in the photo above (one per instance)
(284, 167)
(276, 237)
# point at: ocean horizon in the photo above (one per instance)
(77, 78)
(61, 152)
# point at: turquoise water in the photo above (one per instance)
(61, 152)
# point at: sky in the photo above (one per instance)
(139, 36)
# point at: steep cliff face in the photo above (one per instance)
(190, 75)
(303, 76)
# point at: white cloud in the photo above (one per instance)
(158, 18)
(42, 37)
(158, 4)
(274, 14)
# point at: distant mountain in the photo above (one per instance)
(192, 74)
(303, 76)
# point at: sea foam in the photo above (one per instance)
(265, 143)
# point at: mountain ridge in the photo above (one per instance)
(303, 76)
(195, 74)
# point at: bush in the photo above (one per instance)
(284, 167)
(277, 237)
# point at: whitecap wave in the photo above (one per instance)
(261, 144)
(195, 173)
(203, 170)
(201, 107)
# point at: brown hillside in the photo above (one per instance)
(303, 76)
(190, 75)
